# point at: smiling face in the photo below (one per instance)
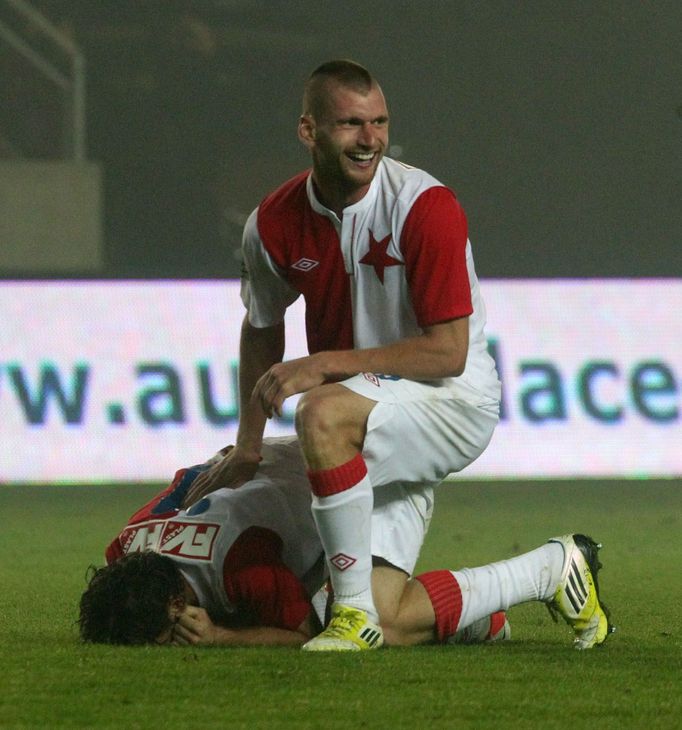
(346, 131)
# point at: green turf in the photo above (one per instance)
(50, 534)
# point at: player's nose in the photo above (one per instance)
(367, 134)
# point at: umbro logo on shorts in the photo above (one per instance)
(305, 264)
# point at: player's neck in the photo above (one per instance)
(337, 199)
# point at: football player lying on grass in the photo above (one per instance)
(240, 566)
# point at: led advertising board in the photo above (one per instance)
(127, 381)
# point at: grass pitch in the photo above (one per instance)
(48, 679)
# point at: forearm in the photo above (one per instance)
(259, 350)
(258, 636)
(438, 353)
(194, 627)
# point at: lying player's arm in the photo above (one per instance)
(195, 628)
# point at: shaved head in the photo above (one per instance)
(344, 73)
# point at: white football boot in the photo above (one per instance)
(576, 598)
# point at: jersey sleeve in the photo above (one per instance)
(260, 585)
(433, 242)
(264, 291)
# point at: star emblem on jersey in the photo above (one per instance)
(342, 562)
(378, 256)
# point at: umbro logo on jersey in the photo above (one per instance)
(305, 264)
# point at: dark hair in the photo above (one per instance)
(344, 72)
(127, 602)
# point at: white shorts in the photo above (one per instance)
(419, 432)
(400, 521)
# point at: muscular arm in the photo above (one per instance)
(439, 352)
(259, 349)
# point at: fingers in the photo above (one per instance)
(260, 395)
(271, 393)
(231, 472)
(285, 379)
(205, 483)
(188, 627)
(183, 636)
(197, 490)
(193, 626)
(277, 405)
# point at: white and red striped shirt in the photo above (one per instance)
(252, 554)
(397, 261)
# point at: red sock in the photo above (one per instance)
(325, 482)
(446, 599)
(497, 621)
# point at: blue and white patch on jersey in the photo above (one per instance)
(201, 506)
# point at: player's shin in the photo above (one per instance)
(342, 509)
(462, 597)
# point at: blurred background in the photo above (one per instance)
(137, 135)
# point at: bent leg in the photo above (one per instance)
(436, 605)
(331, 423)
(462, 597)
(405, 611)
(419, 432)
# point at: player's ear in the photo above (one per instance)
(177, 606)
(306, 130)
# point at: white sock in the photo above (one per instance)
(533, 576)
(344, 522)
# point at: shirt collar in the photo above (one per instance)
(365, 202)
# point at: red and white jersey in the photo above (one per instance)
(397, 261)
(252, 553)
